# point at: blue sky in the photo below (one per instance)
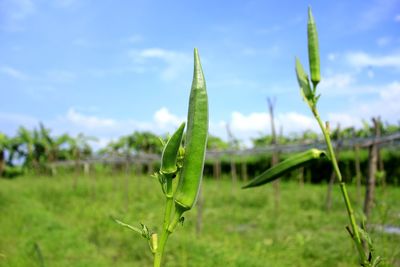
(107, 68)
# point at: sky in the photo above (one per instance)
(109, 68)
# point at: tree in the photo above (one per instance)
(3, 147)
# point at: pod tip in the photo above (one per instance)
(310, 15)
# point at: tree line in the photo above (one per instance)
(33, 150)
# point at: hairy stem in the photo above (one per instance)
(350, 212)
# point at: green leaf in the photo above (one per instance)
(144, 232)
(304, 82)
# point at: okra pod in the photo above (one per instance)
(285, 166)
(195, 142)
(313, 49)
(170, 152)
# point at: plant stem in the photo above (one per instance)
(350, 212)
(161, 246)
(165, 232)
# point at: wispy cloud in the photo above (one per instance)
(13, 73)
(336, 81)
(14, 12)
(385, 104)
(362, 59)
(9, 122)
(378, 11)
(135, 38)
(175, 62)
(384, 41)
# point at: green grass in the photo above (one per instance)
(240, 227)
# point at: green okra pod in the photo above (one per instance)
(313, 49)
(171, 151)
(195, 142)
(285, 166)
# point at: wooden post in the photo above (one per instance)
(372, 168)
(328, 203)
(301, 176)
(138, 166)
(233, 171)
(2, 163)
(381, 168)
(199, 219)
(150, 167)
(217, 168)
(244, 171)
(126, 182)
(275, 155)
(233, 145)
(86, 168)
(358, 171)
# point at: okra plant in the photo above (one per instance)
(309, 92)
(182, 163)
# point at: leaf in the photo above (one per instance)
(144, 232)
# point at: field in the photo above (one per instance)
(45, 221)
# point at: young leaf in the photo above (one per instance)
(303, 81)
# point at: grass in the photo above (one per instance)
(72, 227)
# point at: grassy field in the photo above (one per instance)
(45, 221)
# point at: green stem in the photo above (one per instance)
(160, 249)
(350, 212)
(165, 232)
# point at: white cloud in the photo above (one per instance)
(343, 119)
(391, 92)
(105, 129)
(88, 122)
(254, 122)
(385, 103)
(176, 62)
(332, 56)
(13, 73)
(165, 119)
(336, 81)
(296, 122)
(246, 127)
(361, 60)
